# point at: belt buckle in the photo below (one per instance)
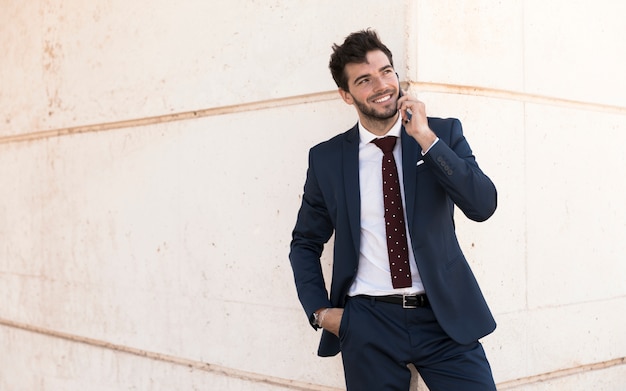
(404, 301)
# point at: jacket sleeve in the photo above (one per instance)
(312, 230)
(456, 169)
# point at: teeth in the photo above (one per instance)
(386, 98)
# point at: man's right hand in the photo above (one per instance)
(332, 320)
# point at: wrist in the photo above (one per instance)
(430, 145)
(322, 316)
(318, 317)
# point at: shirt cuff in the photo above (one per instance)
(431, 145)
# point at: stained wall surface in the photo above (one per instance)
(153, 155)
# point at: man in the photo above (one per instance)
(431, 313)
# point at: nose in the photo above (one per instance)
(378, 83)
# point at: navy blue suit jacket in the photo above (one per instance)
(449, 176)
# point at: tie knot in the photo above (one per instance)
(385, 143)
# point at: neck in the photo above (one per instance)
(377, 126)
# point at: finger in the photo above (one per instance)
(404, 97)
(406, 111)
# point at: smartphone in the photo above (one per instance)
(408, 113)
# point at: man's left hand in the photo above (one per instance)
(417, 126)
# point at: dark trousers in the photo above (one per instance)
(379, 340)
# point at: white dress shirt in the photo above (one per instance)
(373, 275)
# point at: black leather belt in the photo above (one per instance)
(407, 301)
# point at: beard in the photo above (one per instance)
(373, 114)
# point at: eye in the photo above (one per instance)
(363, 81)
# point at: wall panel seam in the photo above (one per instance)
(543, 377)
(277, 381)
(422, 87)
(170, 359)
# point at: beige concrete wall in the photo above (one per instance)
(153, 155)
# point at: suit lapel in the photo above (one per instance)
(410, 155)
(351, 183)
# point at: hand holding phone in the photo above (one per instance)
(415, 121)
(407, 115)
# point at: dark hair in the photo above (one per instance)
(354, 50)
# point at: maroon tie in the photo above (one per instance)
(394, 217)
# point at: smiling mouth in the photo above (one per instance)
(383, 99)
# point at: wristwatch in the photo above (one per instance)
(316, 319)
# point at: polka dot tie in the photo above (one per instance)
(394, 216)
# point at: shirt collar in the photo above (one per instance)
(365, 136)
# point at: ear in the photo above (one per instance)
(346, 96)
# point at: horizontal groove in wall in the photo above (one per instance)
(518, 96)
(181, 116)
(276, 381)
(543, 377)
(169, 359)
(310, 98)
